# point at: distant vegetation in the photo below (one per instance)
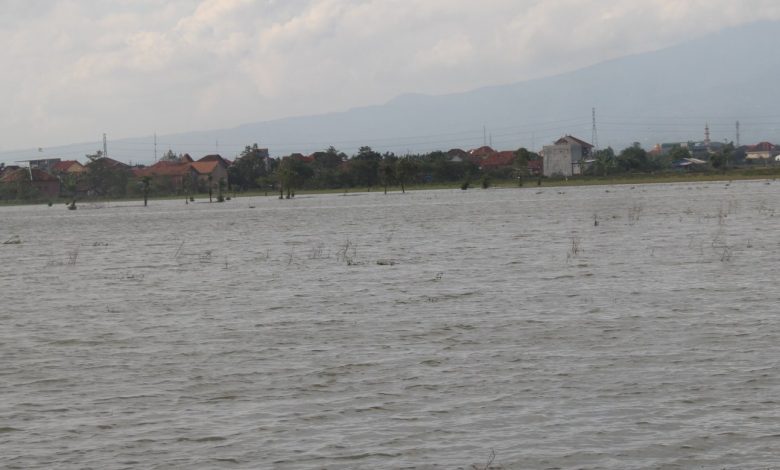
(254, 171)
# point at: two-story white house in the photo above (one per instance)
(566, 157)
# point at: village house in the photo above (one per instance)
(44, 164)
(7, 168)
(173, 175)
(115, 164)
(32, 179)
(67, 167)
(566, 157)
(488, 159)
(502, 159)
(218, 158)
(763, 151)
(183, 172)
(457, 155)
(482, 152)
(210, 172)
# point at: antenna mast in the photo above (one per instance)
(737, 133)
(595, 136)
(105, 146)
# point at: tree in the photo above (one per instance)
(94, 156)
(441, 167)
(520, 165)
(721, 159)
(220, 189)
(404, 169)
(145, 183)
(605, 161)
(105, 177)
(327, 168)
(169, 156)
(633, 158)
(365, 167)
(387, 171)
(679, 152)
(331, 158)
(70, 184)
(292, 173)
(249, 168)
(187, 185)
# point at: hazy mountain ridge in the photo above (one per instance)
(665, 95)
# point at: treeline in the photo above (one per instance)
(333, 169)
(255, 170)
(635, 159)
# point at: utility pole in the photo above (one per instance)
(595, 137)
(484, 135)
(737, 134)
(155, 147)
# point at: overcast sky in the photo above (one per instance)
(74, 69)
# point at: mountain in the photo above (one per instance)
(666, 95)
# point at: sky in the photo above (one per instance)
(75, 69)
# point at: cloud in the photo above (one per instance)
(75, 69)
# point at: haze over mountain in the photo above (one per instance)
(666, 95)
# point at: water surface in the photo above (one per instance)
(585, 327)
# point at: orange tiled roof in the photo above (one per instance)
(72, 166)
(215, 158)
(205, 167)
(26, 174)
(115, 163)
(572, 138)
(504, 158)
(761, 147)
(484, 151)
(164, 168)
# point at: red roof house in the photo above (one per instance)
(68, 167)
(498, 160)
(46, 184)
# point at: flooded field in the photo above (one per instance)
(588, 327)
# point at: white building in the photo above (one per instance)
(566, 157)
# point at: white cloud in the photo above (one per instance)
(74, 69)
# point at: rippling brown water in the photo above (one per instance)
(400, 331)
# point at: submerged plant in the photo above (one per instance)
(14, 240)
(633, 214)
(489, 464)
(347, 253)
(73, 255)
(575, 248)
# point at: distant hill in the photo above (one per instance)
(666, 95)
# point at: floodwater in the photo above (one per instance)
(585, 327)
